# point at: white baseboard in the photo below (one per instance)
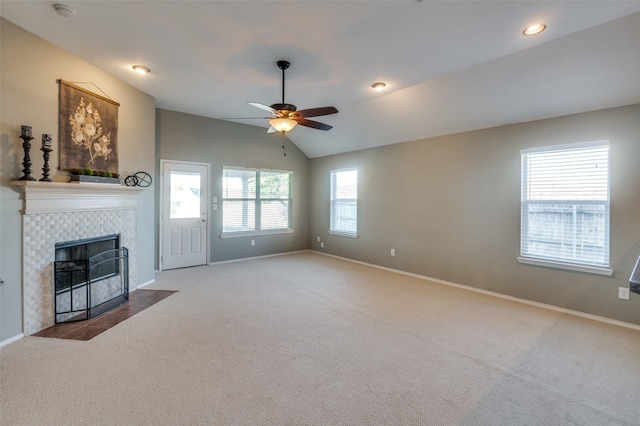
(11, 340)
(599, 318)
(242, 259)
(146, 283)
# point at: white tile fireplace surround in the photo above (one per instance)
(55, 212)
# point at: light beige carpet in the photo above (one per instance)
(306, 339)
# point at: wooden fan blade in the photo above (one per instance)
(316, 112)
(264, 107)
(314, 124)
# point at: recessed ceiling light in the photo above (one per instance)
(379, 85)
(64, 10)
(534, 29)
(141, 69)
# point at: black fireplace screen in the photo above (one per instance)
(71, 253)
(91, 276)
(634, 280)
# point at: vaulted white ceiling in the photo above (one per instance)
(450, 66)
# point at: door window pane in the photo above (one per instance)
(185, 195)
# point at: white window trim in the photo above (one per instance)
(566, 265)
(576, 145)
(343, 233)
(258, 232)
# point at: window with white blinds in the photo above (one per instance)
(565, 204)
(255, 201)
(344, 202)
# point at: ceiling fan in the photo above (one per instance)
(286, 116)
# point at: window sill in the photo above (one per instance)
(566, 266)
(256, 233)
(343, 234)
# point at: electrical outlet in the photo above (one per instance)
(253, 243)
(393, 252)
(321, 245)
(318, 238)
(623, 293)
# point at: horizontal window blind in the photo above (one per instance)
(344, 202)
(238, 200)
(565, 204)
(275, 191)
(255, 200)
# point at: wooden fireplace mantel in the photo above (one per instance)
(59, 197)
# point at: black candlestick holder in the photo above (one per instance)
(26, 163)
(45, 167)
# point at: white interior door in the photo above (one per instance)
(184, 218)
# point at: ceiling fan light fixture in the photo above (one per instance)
(284, 116)
(379, 85)
(534, 29)
(283, 124)
(141, 69)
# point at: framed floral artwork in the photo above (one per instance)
(88, 125)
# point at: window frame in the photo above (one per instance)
(258, 202)
(332, 202)
(557, 262)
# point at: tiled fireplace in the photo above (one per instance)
(59, 212)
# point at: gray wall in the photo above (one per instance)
(29, 95)
(219, 143)
(450, 206)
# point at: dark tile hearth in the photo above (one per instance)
(139, 300)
